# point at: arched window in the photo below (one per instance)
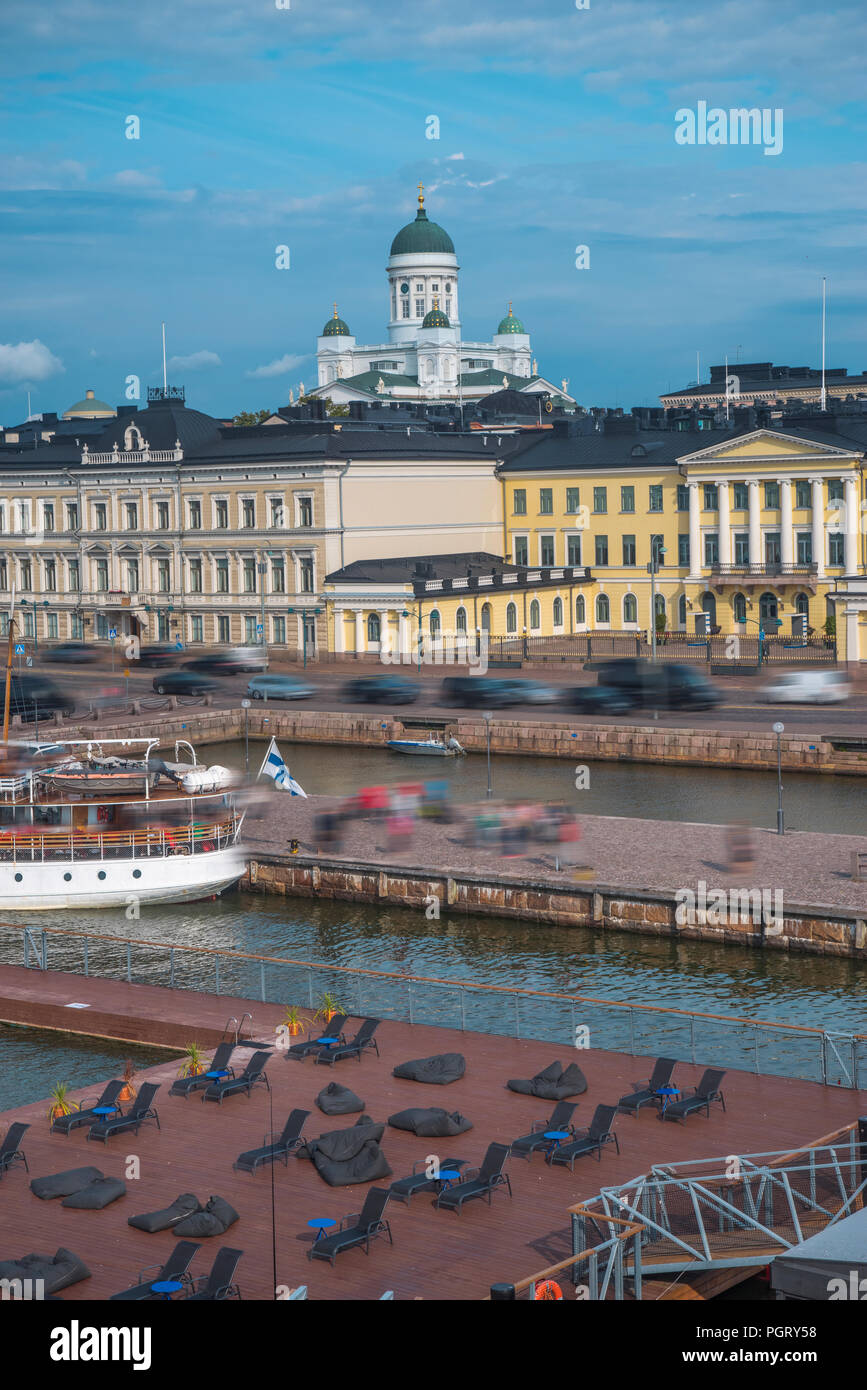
(435, 625)
(630, 609)
(802, 604)
(580, 609)
(681, 611)
(768, 608)
(708, 604)
(739, 608)
(486, 617)
(461, 620)
(603, 609)
(558, 612)
(535, 615)
(660, 606)
(511, 618)
(373, 627)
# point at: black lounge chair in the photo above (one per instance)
(368, 1224)
(175, 1268)
(218, 1284)
(706, 1091)
(333, 1029)
(354, 1047)
(9, 1150)
(645, 1091)
(588, 1141)
(219, 1062)
(275, 1146)
(419, 1181)
(560, 1119)
(251, 1076)
(478, 1182)
(141, 1109)
(64, 1124)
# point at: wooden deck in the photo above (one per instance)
(436, 1254)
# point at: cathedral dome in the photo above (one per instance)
(510, 324)
(335, 327)
(436, 318)
(422, 236)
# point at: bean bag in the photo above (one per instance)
(347, 1156)
(96, 1194)
(431, 1124)
(215, 1219)
(152, 1221)
(58, 1271)
(338, 1100)
(435, 1071)
(554, 1083)
(63, 1184)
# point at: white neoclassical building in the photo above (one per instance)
(425, 356)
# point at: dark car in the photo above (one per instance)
(184, 683)
(657, 684)
(598, 699)
(72, 653)
(158, 654)
(31, 697)
(475, 692)
(374, 690)
(231, 663)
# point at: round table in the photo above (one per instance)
(105, 1109)
(321, 1224)
(666, 1095)
(216, 1075)
(166, 1287)
(557, 1136)
(448, 1176)
(327, 1042)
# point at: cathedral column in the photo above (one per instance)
(818, 527)
(339, 631)
(403, 639)
(851, 535)
(359, 631)
(694, 532)
(787, 537)
(725, 531)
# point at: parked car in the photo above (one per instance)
(372, 690)
(598, 699)
(657, 684)
(157, 654)
(808, 688)
(184, 683)
(277, 687)
(72, 653)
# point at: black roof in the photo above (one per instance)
(402, 569)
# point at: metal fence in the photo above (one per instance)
(773, 1049)
(725, 649)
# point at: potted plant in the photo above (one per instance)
(129, 1091)
(294, 1021)
(59, 1104)
(328, 1007)
(192, 1064)
(830, 630)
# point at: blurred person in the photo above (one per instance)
(740, 847)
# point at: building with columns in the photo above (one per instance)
(764, 384)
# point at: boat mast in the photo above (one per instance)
(10, 647)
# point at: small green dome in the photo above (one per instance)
(510, 324)
(89, 409)
(335, 327)
(422, 235)
(436, 318)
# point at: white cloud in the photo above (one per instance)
(136, 178)
(195, 362)
(455, 156)
(21, 362)
(287, 363)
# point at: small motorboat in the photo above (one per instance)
(428, 747)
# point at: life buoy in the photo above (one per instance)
(546, 1288)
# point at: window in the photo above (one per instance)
(419, 288)
(131, 514)
(248, 568)
(72, 572)
(132, 579)
(101, 576)
(197, 628)
(629, 550)
(836, 548)
(773, 553)
(520, 547)
(222, 629)
(486, 617)
(195, 576)
(76, 628)
(276, 505)
(434, 623)
(572, 499)
(162, 516)
(223, 579)
(772, 496)
(655, 497)
(251, 636)
(520, 501)
(739, 608)
(164, 581)
(25, 575)
(573, 550)
(805, 547)
(558, 612)
(630, 609)
(627, 499)
(419, 308)
(53, 630)
(511, 618)
(99, 514)
(72, 516)
(306, 570)
(711, 548)
(603, 609)
(802, 604)
(742, 547)
(660, 606)
(802, 494)
(221, 515)
(448, 308)
(682, 497)
(835, 490)
(194, 510)
(461, 620)
(602, 550)
(248, 513)
(711, 497)
(535, 615)
(546, 550)
(4, 574)
(374, 628)
(683, 551)
(580, 609)
(305, 511)
(546, 501)
(278, 576)
(600, 499)
(28, 623)
(404, 310)
(50, 578)
(741, 497)
(681, 611)
(657, 549)
(48, 516)
(278, 631)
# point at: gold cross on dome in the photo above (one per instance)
(421, 195)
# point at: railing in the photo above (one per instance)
(727, 649)
(771, 569)
(582, 1267)
(51, 846)
(775, 1049)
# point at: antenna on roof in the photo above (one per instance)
(822, 398)
(165, 378)
(698, 368)
(727, 388)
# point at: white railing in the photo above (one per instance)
(46, 847)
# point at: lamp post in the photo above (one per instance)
(778, 730)
(245, 706)
(488, 716)
(262, 570)
(655, 561)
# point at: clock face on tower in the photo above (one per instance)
(404, 289)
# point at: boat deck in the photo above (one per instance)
(436, 1254)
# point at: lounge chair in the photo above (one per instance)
(9, 1150)
(332, 1029)
(251, 1076)
(706, 1091)
(354, 1047)
(141, 1109)
(218, 1284)
(560, 1118)
(64, 1124)
(588, 1141)
(368, 1224)
(645, 1091)
(478, 1182)
(419, 1180)
(275, 1146)
(219, 1062)
(175, 1268)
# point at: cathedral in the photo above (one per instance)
(425, 356)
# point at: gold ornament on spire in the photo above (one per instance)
(335, 308)
(421, 195)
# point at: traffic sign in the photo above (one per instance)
(259, 629)
(179, 646)
(28, 661)
(112, 632)
(19, 649)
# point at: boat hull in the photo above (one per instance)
(424, 750)
(48, 887)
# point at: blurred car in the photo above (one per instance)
(184, 683)
(475, 692)
(657, 684)
(375, 689)
(157, 654)
(531, 692)
(808, 688)
(232, 663)
(598, 699)
(31, 697)
(277, 687)
(73, 653)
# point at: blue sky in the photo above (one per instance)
(306, 127)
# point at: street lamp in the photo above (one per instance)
(655, 561)
(778, 730)
(245, 706)
(488, 716)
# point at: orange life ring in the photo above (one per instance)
(546, 1288)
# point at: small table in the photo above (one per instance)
(216, 1075)
(326, 1042)
(448, 1176)
(557, 1136)
(666, 1095)
(321, 1224)
(166, 1287)
(105, 1109)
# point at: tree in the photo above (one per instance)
(251, 417)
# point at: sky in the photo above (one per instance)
(306, 126)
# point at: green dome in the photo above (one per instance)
(510, 324)
(335, 327)
(422, 235)
(89, 408)
(435, 319)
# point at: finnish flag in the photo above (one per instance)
(274, 766)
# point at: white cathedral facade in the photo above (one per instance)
(425, 356)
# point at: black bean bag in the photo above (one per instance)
(152, 1221)
(338, 1100)
(215, 1218)
(58, 1271)
(96, 1194)
(63, 1184)
(431, 1124)
(347, 1156)
(554, 1083)
(435, 1071)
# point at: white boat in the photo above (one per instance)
(428, 747)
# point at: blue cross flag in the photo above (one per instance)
(273, 766)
